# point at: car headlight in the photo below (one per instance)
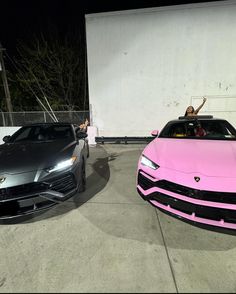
(147, 162)
(62, 164)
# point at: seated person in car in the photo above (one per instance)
(179, 132)
(199, 131)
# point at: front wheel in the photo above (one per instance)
(82, 184)
(88, 151)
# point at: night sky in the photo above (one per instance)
(21, 19)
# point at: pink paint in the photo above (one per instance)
(180, 160)
(154, 133)
(193, 218)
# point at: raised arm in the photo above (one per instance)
(197, 110)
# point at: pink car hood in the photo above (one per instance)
(209, 157)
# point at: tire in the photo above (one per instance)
(88, 152)
(82, 186)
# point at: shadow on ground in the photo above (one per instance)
(181, 235)
(128, 218)
(98, 175)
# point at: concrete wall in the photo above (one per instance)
(146, 66)
(5, 131)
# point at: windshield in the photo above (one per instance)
(200, 129)
(42, 133)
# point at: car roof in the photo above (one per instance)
(49, 124)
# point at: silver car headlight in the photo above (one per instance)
(62, 164)
(147, 162)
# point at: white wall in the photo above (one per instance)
(146, 66)
(5, 131)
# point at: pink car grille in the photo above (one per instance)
(205, 212)
(221, 197)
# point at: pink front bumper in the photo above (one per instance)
(217, 212)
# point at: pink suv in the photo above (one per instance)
(189, 171)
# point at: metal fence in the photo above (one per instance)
(22, 118)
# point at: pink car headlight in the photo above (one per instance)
(147, 162)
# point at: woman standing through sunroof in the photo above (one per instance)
(190, 111)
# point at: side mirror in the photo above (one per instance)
(155, 133)
(81, 135)
(6, 138)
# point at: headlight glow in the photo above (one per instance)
(63, 164)
(147, 162)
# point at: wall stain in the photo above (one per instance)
(2, 281)
(172, 103)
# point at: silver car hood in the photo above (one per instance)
(26, 157)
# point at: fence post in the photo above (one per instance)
(3, 119)
(45, 118)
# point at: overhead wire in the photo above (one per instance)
(44, 96)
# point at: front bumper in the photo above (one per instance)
(32, 197)
(204, 207)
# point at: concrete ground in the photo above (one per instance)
(109, 240)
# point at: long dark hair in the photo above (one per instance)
(186, 110)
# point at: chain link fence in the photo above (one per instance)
(23, 118)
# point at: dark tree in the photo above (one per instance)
(53, 66)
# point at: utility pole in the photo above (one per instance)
(5, 85)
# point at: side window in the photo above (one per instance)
(23, 135)
(62, 132)
(227, 132)
(219, 129)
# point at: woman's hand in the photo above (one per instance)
(197, 110)
(86, 122)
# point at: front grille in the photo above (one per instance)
(19, 191)
(221, 197)
(206, 212)
(63, 184)
(144, 182)
(23, 206)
